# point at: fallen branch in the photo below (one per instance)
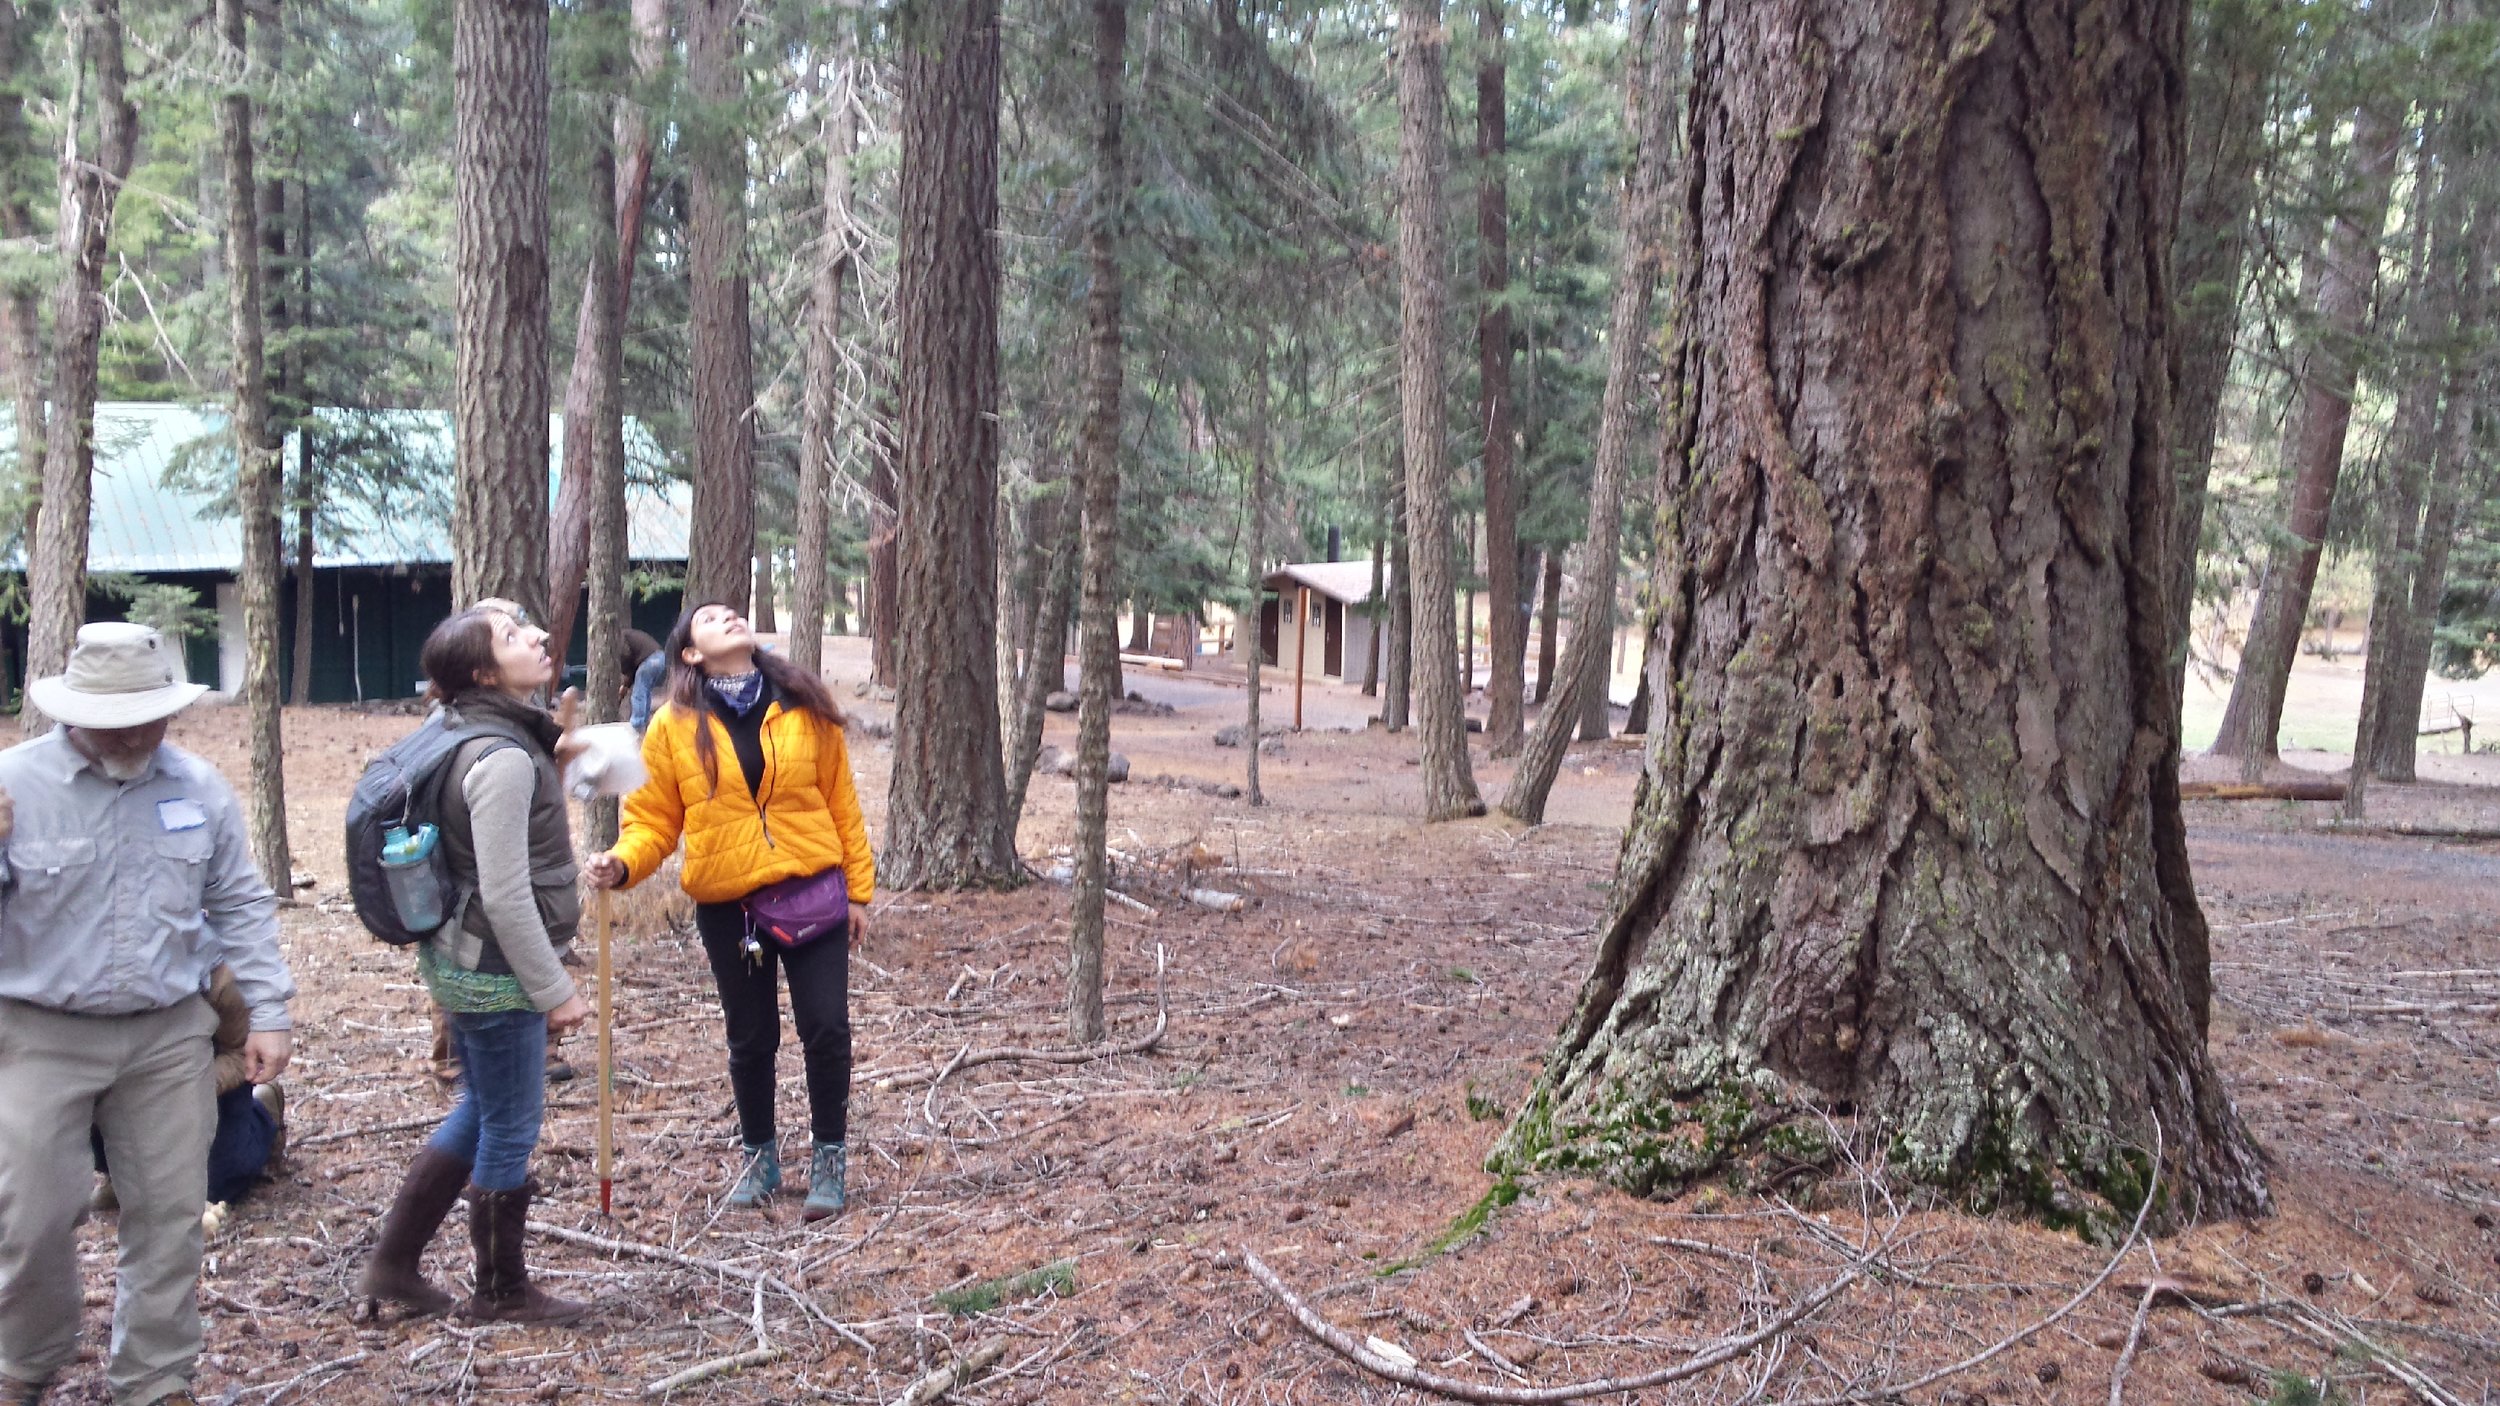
(717, 1367)
(2407, 829)
(2261, 790)
(964, 1371)
(2135, 1338)
(664, 1255)
(343, 1134)
(1727, 1350)
(968, 1059)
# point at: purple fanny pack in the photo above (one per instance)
(796, 912)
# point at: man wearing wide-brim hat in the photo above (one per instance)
(125, 879)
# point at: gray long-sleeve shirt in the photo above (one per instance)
(122, 896)
(498, 789)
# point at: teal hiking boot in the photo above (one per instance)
(825, 1178)
(761, 1178)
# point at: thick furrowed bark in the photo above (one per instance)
(946, 812)
(1907, 849)
(1505, 686)
(720, 562)
(1423, 409)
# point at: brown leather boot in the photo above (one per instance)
(433, 1182)
(498, 1227)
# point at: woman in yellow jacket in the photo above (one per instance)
(749, 766)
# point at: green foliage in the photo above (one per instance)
(171, 610)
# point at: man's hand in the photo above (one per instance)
(568, 713)
(573, 1012)
(605, 870)
(265, 1055)
(8, 815)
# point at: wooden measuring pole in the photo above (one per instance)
(607, 1060)
(1301, 655)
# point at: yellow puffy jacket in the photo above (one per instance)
(809, 820)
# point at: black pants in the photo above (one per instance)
(820, 1001)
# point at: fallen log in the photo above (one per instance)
(2261, 790)
(963, 1372)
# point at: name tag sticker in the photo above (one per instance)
(180, 813)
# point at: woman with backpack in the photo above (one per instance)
(748, 764)
(495, 965)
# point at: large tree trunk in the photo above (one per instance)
(21, 319)
(947, 820)
(1423, 411)
(1506, 683)
(2405, 637)
(2235, 49)
(603, 293)
(1098, 669)
(720, 562)
(820, 412)
(1909, 851)
(257, 467)
(2347, 279)
(1597, 695)
(93, 166)
(499, 321)
(569, 526)
(1653, 54)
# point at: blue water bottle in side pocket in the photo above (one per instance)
(416, 885)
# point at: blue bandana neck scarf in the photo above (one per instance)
(741, 692)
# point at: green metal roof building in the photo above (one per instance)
(381, 549)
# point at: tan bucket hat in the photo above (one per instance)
(120, 675)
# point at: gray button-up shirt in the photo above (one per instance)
(121, 896)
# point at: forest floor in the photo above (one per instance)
(1340, 1056)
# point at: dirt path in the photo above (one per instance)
(1340, 1056)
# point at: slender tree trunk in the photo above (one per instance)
(763, 611)
(1423, 410)
(1596, 696)
(306, 496)
(257, 467)
(1505, 683)
(21, 318)
(1099, 659)
(2406, 638)
(947, 820)
(1548, 621)
(885, 573)
(2236, 48)
(1930, 882)
(1379, 620)
(95, 158)
(1045, 651)
(603, 293)
(1398, 689)
(569, 523)
(2435, 221)
(499, 315)
(2348, 278)
(721, 554)
(821, 409)
(1254, 697)
(1654, 52)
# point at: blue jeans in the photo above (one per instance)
(503, 1096)
(237, 1156)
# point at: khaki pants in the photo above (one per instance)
(146, 1082)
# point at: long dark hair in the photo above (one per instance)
(685, 688)
(455, 653)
